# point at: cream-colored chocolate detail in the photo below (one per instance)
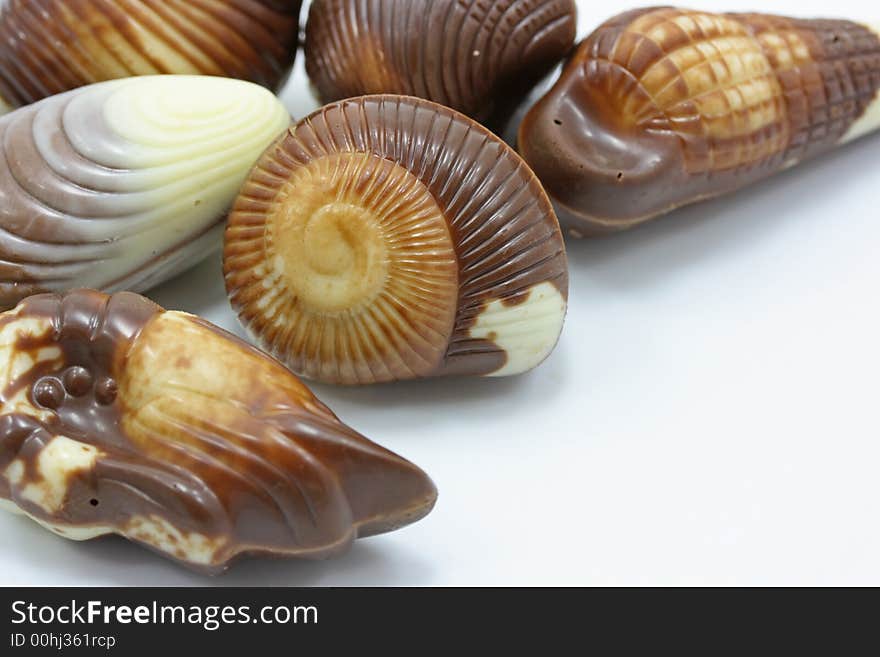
(159, 427)
(354, 271)
(662, 107)
(70, 532)
(714, 80)
(59, 462)
(15, 363)
(526, 330)
(158, 533)
(123, 184)
(869, 121)
(367, 241)
(210, 379)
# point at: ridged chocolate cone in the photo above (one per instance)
(663, 107)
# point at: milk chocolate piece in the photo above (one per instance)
(122, 184)
(51, 46)
(475, 56)
(663, 107)
(117, 417)
(388, 237)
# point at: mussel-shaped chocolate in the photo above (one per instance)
(51, 46)
(388, 237)
(475, 56)
(117, 417)
(122, 184)
(663, 107)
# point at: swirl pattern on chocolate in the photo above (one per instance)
(119, 417)
(122, 184)
(663, 107)
(51, 46)
(465, 54)
(388, 237)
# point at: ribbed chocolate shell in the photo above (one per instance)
(387, 237)
(118, 417)
(471, 55)
(51, 46)
(123, 184)
(663, 107)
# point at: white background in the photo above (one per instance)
(710, 415)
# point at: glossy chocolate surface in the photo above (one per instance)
(51, 46)
(475, 56)
(120, 417)
(388, 237)
(663, 107)
(123, 184)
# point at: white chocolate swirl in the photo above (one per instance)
(122, 184)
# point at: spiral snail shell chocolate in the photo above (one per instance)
(663, 107)
(51, 46)
(117, 417)
(122, 184)
(388, 237)
(465, 54)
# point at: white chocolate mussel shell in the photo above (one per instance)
(122, 184)
(387, 238)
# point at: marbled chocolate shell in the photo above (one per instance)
(122, 184)
(471, 55)
(663, 107)
(388, 237)
(117, 417)
(51, 46)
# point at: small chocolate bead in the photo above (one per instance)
(106, 390)
(77, 381)
(212, 450)
(48, 393)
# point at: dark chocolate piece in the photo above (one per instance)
(663, 107)
(51, 46)
(388, 237)
(475, 56)
(119, 417)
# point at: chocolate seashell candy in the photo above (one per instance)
(388, 237)
(122, 184)
(475, 56)
(51, 46)
(663, 107)
(117, 417)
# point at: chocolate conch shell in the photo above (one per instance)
(117, 417)
(663, 107)
(465, 54)
(122, 184)
(388, 237)
(51, 46)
